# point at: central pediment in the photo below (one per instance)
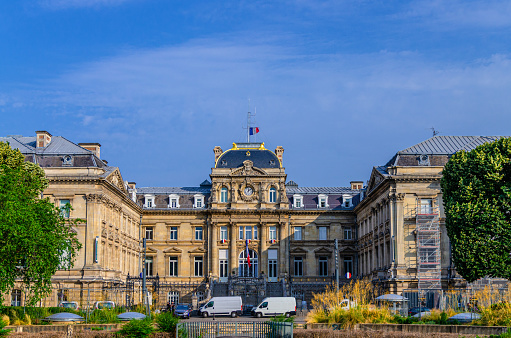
(248, 169)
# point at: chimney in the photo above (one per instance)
(356, 185)
(132, 185)
(218, 151)
(94, 147)
(43, 138)
(279, 151)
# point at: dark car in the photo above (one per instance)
(415, 310)
(182, 311)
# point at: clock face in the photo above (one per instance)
(248, 191)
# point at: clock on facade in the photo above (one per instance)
(248, 191)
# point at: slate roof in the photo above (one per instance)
(447, 145)
(172, 190)
(58, 146)
(235, 158)
(319, 190)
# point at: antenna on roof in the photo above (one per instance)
(435, 132)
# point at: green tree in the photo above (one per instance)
(476, 188)
(35, 238)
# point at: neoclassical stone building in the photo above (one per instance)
(402, 240)
(287, 231)
(110, 232)
(200, 239)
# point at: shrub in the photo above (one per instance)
(3, 331)
(5, 319)
(283, 319)
(137, 328)
(104, 316)
(166, 322)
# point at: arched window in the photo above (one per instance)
(243, 269)
(273, 195)
(223, 195)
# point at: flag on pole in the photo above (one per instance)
(248, 253)
(254, 130)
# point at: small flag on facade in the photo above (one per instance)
(248, 253)
(348, 275)
(254, 130)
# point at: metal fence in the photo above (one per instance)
(245, 329)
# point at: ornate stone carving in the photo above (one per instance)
(248, 169)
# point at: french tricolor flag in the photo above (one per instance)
(248, 253)
(348, 275)
(253, 130)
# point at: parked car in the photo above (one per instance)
(104, 305)
(182, 311)
(69, 305)
(230, 306)
(272, 306)
(415, 310)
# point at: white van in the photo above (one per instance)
(218, 306)
(272, 306)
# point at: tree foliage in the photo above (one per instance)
(476, 188)
(35, 238)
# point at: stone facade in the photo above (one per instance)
(197, 238)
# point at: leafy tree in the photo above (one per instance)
(476, 188)
(35, 238)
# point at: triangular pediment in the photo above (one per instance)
(198, 250)
(375, 180)
(348, 248)
(151, 250)
(248, 170)
(116, 180)
(322, 251)
(298, 251)
(173, 249)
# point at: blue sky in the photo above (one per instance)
(341, 85)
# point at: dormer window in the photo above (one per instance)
(173, 201)
(67, 161)
(273, 195)
(149, 201)
(223, 195)
(297, 201)
(347, 202)
(198, 201)
(322, 201)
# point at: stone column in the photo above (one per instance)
(214, 249)
(283, 238)
(233, 259)
(399, 229)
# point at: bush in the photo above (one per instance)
(4, 332)
(166, 322)
(283, 319)
(137, 328)
(104, 316)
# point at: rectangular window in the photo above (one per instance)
(223, 195)
(149, 266)
(173, 297)
(241, 233)
(173, 233)
(173, 203)
(323, 266)
(224, 264)
(298, 265)
(426, 206)
(348, 234)
(198, 263)
(322, 233)
(298, 233)
(272, 233)
(223, 233)
(248, 232)
(322, 202)
(198, 233)
(272, 268)
(65, 206)
(298, 201)
(255, 232)
(149, 233)
(199, 203)
(173, 266)
(273, 195)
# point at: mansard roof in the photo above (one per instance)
(294, 189)
(172, 190)
(255, 152)
(440, 148)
